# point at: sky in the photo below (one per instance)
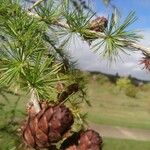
(87, 60)
(141, 7)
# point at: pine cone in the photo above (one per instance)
(99, 24)
(90, 140)
(74, 147)
(87, 140)
(48, 126)
(146, 62)
(73, 88)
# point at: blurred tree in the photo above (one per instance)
(125, 84)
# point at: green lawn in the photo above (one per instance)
(108, 107)
(116, 144)
(113, 108)
(10, 112)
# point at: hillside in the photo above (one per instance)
(113, 107)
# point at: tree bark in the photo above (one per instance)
(35, 100)
(35, 4)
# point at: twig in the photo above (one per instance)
(35, 4)
(139, 47)
(35, 100)
(133, 45)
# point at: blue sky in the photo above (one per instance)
(141, 7)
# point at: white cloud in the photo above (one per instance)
(88, 60)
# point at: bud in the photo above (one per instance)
(146, 62)
(83, 140)
(99, 24)
(90, 140)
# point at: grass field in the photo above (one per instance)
(115, 144)
(111, 107)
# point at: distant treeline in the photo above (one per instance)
(113, 78)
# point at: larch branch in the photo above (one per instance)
(129, 44)
(35, 4)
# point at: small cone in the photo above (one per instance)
(48, 126)
(99, 24)
(73, 88)
(146, 62)
(87, 140)
(74, 147)
(90, 140)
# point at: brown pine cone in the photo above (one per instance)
(73, 88)
(146, 62)
(98, 24)
(74, 147)
(90, 140)
(48, 126)
(87, 140)
(62, 96)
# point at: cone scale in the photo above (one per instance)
(48, 126)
